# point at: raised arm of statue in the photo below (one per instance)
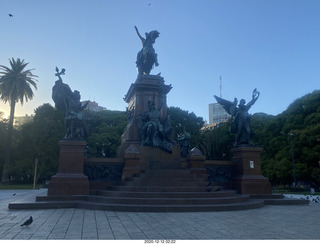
(141, 38)
(255, 96)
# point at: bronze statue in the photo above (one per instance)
(240, 117)
(184, 142)
(147, 57)
(69, 102)
(155, 133)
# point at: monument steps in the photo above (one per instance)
(151, 200)
(156, 188)
(225, 193)
(176, 208)
(250, 204)
(160, 182)
(285, 201)
(178, 173)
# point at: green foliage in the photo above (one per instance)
(15, 86)
(183, 120)
(49, 129)
(3, 135)
(217, 143)
(15, 82)
(302, 119)
(37, 139)
(18, 186)
(106, 129)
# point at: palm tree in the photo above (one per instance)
(15, 86)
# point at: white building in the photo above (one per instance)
(217, 114)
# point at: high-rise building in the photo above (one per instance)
(217, 114)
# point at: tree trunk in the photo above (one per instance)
(4, 177)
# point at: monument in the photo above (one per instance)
(70, 179)
(149, 130)
(249, 179)
(151, 171)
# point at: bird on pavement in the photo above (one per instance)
(27, 222)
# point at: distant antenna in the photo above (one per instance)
(220, 87)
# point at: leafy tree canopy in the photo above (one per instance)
(184, 120)
(106, 128)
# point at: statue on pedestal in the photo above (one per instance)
(240, 117)
(147, 57)
(184, 142)
(69, 102)
(153, 132)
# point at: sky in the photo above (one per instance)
(271, 45)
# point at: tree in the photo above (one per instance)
(184, 120)
(48, 130)
(217, 143)
(106, 129)
(302, 119)
(3, 133)
(37, 139)
(15, 86)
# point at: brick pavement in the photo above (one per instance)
(270, 222)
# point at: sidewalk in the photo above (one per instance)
(270, 222)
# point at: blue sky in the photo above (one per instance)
(271, 45)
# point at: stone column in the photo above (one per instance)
(249, 179)
(70, 179)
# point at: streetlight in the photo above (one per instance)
(294, 173)
(35, 173)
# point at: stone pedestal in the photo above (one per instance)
(249, 179)
(141, 158)
(131, 163)
(195, 159)
(70, 179)
(147, 88)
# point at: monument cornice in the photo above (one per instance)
(147, 83)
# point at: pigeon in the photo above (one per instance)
(10, 15)
(27, 222)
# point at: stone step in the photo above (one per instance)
(266, 196)
(150, 201)
(251, 204)
(157, 189)
(170, 173)
(193, 177)
(172, 179)
(176, 172)
(163, 183)
(213, 193)
(148, 178)
(285, 201)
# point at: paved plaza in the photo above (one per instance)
(267, 223)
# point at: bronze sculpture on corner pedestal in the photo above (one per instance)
(240, 117)
(70, 179)
(69, 102)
